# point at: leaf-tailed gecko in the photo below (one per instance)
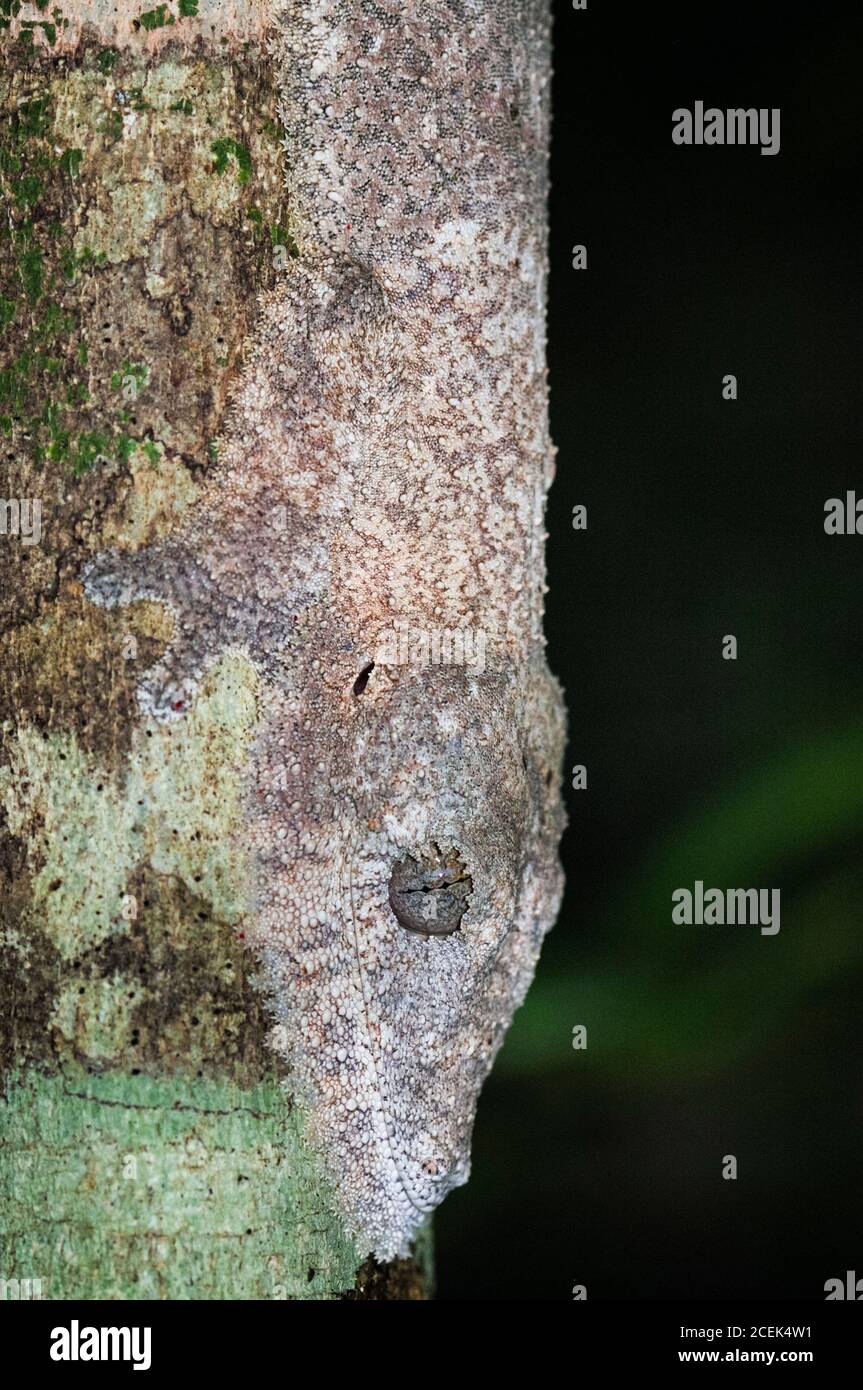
(385, 463)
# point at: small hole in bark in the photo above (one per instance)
(362, 679)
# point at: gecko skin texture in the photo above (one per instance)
(386, 461)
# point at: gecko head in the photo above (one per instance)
(454, 880)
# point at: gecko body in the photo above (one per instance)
(386, 462)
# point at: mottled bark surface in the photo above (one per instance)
(149, 1145)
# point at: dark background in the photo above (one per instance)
(603, 1167)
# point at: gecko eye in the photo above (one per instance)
(429, 895)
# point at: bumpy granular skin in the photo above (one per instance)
(387, 461)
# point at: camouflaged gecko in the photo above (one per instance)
(386, 462)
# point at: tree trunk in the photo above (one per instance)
(274, 394)
(150, 1147)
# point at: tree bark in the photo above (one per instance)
(274, 393)
(150, 1145)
